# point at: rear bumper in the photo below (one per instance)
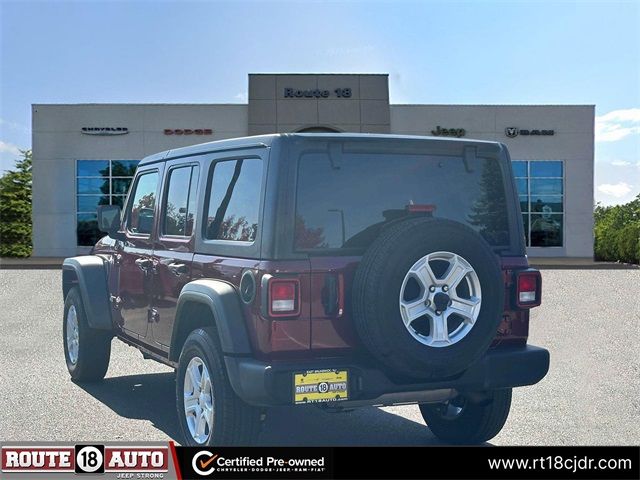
(264, 384)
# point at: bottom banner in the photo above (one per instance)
(409, 462)
(153, 461)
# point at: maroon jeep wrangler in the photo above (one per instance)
(336, 269)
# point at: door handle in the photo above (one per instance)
(178, 268)
(144, 263)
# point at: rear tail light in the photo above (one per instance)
(528, 288)
(284, 295)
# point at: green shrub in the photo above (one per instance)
(629, 243)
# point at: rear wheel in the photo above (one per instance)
(462, 421)
(209, 411)
(86, 350)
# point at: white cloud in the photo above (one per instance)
(9, 148)
(242, 97)
(617, 190)
(618, 124)
(621, 163)
(8, 124)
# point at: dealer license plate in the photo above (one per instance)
(320, 386)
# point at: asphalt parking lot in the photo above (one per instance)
(590, 321)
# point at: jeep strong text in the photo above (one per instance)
(340, 270)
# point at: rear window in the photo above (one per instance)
(344, 200)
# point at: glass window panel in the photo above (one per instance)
(89, 203)
(546, 230)
(525, 222)
(546, 204)
(92, 185)
(519, 169)
(93, 168)
(524, 203)
(546, 169)
(335, 208)
(120, 186)
(546, 186)
(175, 207)
(521, 186)
(87, 229)
(142, 209)
(123, 168)
(234, 200)
(118, 200)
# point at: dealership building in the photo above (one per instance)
(84, 155)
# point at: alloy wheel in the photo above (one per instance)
(72, 335)
(198, 400)
(440, 299)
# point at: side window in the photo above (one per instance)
(143, 203)
(234, 200)
(180, 201)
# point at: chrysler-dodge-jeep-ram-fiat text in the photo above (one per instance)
(340, 270)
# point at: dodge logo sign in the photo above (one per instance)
(512, 132)
(188, 131)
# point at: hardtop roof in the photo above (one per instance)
(264, 141)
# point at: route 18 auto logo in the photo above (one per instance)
(126, 461)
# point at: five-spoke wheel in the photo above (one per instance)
(198, 400)
(440, 299)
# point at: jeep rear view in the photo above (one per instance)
(339, 270)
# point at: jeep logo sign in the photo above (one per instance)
(513, 132)
(448, 132)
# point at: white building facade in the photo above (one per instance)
(84, 155)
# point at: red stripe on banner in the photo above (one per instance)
(175, 460)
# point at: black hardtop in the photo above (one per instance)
(265, 141)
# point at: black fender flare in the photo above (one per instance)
(223, 300)
(91, 275)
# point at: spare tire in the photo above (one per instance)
(428, 297)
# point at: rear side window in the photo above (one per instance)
(180, 203)
(143, 204)
(234, 200)
(344, 201)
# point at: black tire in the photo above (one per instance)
(234, 421)
(376, 291)
(476, 423)
(94, 346)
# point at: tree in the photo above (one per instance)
(489, 210)
(617, 232)
(15, 208)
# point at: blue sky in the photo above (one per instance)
(435, 52)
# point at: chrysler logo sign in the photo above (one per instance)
(512, 132)
(104, 130)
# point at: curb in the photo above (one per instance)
(594, 266)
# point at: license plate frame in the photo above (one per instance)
(320, 385)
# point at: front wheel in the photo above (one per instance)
(209, 411)
(86, 350)
(462, 421)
